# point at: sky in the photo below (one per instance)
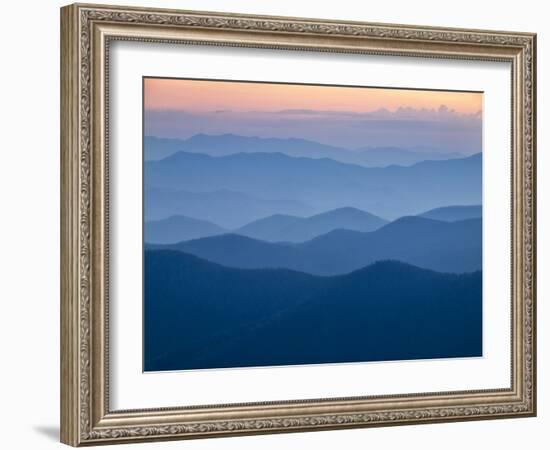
(350, 117)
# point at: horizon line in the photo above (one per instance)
(416, 148)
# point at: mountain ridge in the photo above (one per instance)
(280, 317)
(217, 206)
(156, 148)
(321, 184)
(426, 243)
(454, 212)
(179, 228)
(280, 228)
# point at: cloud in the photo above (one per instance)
(443, 113)
(442, 128)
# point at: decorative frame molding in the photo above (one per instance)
(86, 31)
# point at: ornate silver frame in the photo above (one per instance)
(86, 31)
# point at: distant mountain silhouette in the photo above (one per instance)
(278, 228)
(431, 244)
(179, 228)
(238, 251)
(322, 184)
(228, 144)
(228, 209)
(156, 148)
(387, 156)
(275, 228)
(269, 228)
(453, 213)
(202, 315)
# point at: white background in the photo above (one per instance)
(29, 186)
(132, 389)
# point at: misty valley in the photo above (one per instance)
(271, 252)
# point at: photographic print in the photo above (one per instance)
(297, 224)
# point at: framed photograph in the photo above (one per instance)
(274, 224)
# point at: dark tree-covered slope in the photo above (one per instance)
(202, 315)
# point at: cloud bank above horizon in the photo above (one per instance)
(350, 117)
